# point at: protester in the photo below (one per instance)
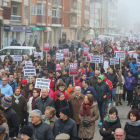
(79, 81)
(88, 73)
(23, 83)
(44, 73)
(70, 89)
(8, 57)
(19, 81)
(134, 67)
(33, 78)
(68, 79)
(52, 82)
(119, 134)
(3, 134)
(59, 75)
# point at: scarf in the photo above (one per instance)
(47, 120)
(33, 102)
(120, 81)
(109, 120)
(17, 97)
(69, 91)
(136, 123)
(86, 108)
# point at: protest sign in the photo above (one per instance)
(138, 62)
(73, 69)
(46, 46)
(114, 61)
(36, 54)
(120, 54)
(135, 55)
(28, 63)
(17, 57)
(42, 83)
(66, 52)
(59, 56)
(86, 51)
(88, 56)
(106, 64)
(130, 53)
(96, 59)
(29, 71)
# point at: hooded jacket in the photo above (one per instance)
(128, 85)
(13, 85)
(134, 67)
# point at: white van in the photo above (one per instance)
(16, 50)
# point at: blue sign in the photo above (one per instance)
(7, 28)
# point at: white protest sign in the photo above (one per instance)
(36, 54)
(114, 61)
(96, 59)
(138, 62)
(17, 57)
(120, 54)
(106, 64)
(42, 83)
(135, 55)
(28, 63)
(29, 71)
(59, 56)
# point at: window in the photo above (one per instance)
(49, 12)
(14, 10)
(33, 9)
(25, 52)
(44, 9)
(56, 13)
(5, 3)
(41, 9)
(25, 11)
(17, 51)
(3, 52)
(0, 2)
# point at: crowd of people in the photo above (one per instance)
(69, 108)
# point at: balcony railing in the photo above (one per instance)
(57, 2)
(56, 20)
(16, 18)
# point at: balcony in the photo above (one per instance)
(6, 12)
(74, 10)
(15, 18)
(41, 20)
(56, 22)
(74, 25)
(57, 3)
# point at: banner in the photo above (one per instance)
(36, 54)
(114, 61)
(88, 56)
(59, 56)
(135, 55)
(29, 71)
(17, 57)
(73, 69)
(86, 51)
(96, 59)
(42, 83)
(106, 64)
(66, 52)
(28, 63)
(120, 54)
(46, 46)
(130, 53)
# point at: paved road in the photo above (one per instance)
(122, 113)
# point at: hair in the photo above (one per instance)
(34, 77)
(5, 78)
(59, 94)
(52, 110)
(86, 82)
(90, 97)
(51, 71)
(60, 84)
(17, 88)
(66, 70)
(37, 90)
(78, 87)
(59, 71)
(98, 71)
(114, 71)
(105, 74)
(60, 81)
(26, 90)
(6, 69)
(2, 118)
(10, 74)
(44, 88)
(37, 113)
(83, 74)
(130, 72)
(135, 112)
(113, 110)
(127, 65)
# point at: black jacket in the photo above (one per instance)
(42, 131)
(12, 120)
(126, 73)
(41, 103)
(8, 57)
(60, 104)
(51, 66)
(42, 74)
(110, 127)
(68, 80)
(68, 127)
(136, 101)
(60, 77)
(132, 132)
(113, 78)
(138, 78)
(1, 96)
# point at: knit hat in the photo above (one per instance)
(58, 67)
(65, 110)
(24, 82)
(27, 130)
(6, 101)
(2, 129)
(101, 77)
(62, 136)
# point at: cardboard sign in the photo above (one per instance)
(96, 59)
(120, 54)
(17, 57)
(66, 52)
(28, 63)
(138, 62)
(106, 64)
(86, 51)
(73, 69)
(46, 46)
(88, 56)
(29, 71)
(42, 83)
(59, 56)
(130, 53)
(114, 61)
(36, 54)
(135, 55)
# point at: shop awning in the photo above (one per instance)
(36, 29)
(47, 29)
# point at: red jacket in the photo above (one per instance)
(55, 95)
(52, 83)
(78, 83)
(115, 49)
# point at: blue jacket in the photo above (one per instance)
(6, 90)
(90, 74)
(134, 67)
(89, 90)
(13, 85)
(0, 81)
(128, 85)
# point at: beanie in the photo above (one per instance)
(2, 129)
(6, 101)
(101, 77)
(65, 110)
(27, 130)
(62, 136)
(24, 82)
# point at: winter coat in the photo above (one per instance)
(60, 77)
(1, 96)
(52, 83)
(29, 95)
(110, 127)
(13, 85)
(126, 74)
(55, 95)
(12, 120)
(42, 74)
(90, 74)
(51, 66)
(6, 128)
(134, 67)
(60, 104)
(76, 104)
(132, 130)
(93, 81)
(138, 78)
(42, 131)
(6, 90)
(78, 83)
(20, 108)
(88, 132)
(89, 90)
(68, 80)
(41, 103)
(136, 101)
(68, 127)
(8, 57)
(113, 78)
(102, 89)
(128, 85)
(119, 89)
(51, 93)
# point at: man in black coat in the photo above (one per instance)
(59, 75)
(44, 73)
(68, 79)
(50, 65)
(8, 57)
(65, 124)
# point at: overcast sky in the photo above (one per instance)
(128, 13)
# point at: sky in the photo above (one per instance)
(128, 14)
